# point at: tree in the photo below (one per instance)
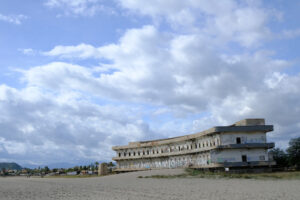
(294, 152)
(96, 165)
(46, 169)
(111, 164)
(76, 168)
(280, 157)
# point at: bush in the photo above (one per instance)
(293, 152)
(280, 157)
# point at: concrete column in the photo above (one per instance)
(102, 169)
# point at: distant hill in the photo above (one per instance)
(9, 166)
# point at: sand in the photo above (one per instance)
(128, 186)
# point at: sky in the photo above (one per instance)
(80, 76)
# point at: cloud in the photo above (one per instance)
(81, 51)
(14, 19)
(28, 51)
(242, 22)
(80, 7)
(186, 74)
(289, 34)
(50, 127)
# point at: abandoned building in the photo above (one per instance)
(243, 144)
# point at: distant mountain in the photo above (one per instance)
(9, 166)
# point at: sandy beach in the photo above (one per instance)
(129, 186)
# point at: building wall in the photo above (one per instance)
(196, 152)
(235, 155)
(199, 159)
(201, 143)
(230, 138)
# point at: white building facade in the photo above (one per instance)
(242, 144)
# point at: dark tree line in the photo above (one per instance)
(290, 157)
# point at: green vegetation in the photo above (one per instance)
(203, 174)
(85, 171)
(73, 176)
(290, 157)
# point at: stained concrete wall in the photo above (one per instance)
(253, 137)
(200, 159)
(189, 145)
(235, 155)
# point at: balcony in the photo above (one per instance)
(247, 146)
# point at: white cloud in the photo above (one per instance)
(80, 51)
(47, 128)
(242, 22)
(14, 19)
(186, 74)
(28, 51)
(80, 7)
(289, 34)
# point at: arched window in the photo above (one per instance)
(124, 154)
(196, 145)
(119, 154)
(133, 153)
(138, 153)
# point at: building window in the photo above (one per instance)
(124, 154)
(147, 152)
(244, 158)
(196, 146)
(143, 152)
(138, 153)
(191, 146)
(119, 154)
(261, 157)
(238, 140)
(179, 148)
(153, 151)
(133, 153)
(129, 154)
